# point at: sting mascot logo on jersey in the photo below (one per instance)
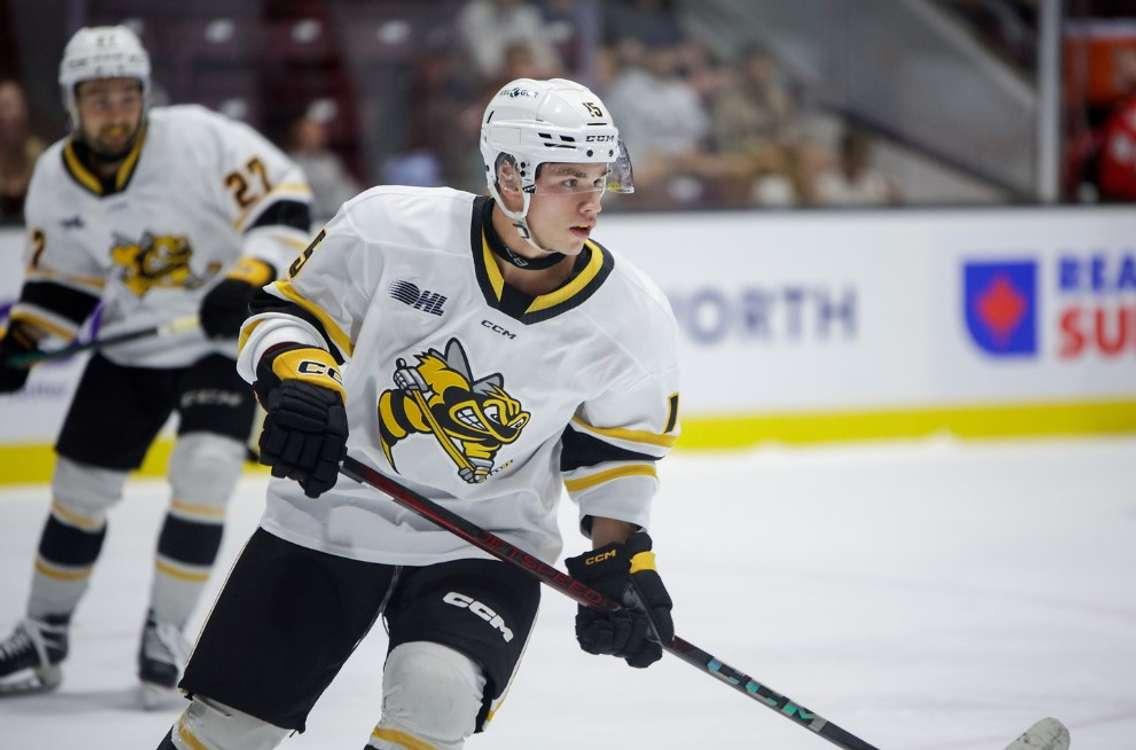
(157, 260)
(470, 419)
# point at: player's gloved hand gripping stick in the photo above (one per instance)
(305, 425)
(1047, 734)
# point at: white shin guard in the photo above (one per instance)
(431, 695)
(204, 468)
(215, 726)
(85, 491)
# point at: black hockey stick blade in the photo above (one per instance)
(565, 584)
(177, 325)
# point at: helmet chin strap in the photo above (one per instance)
(520, 221)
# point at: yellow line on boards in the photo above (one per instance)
(721, 432)
(33, 463)
(22, 463)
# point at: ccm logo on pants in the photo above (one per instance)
(479, 609)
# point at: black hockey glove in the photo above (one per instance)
(627, 632)
(225, 306)
(16, 342)
(305, 430)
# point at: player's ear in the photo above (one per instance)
(509, 184)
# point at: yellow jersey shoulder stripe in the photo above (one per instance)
(338, 335)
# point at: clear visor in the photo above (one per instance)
(566, 178)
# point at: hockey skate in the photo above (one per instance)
(31, 655)
(161, 658)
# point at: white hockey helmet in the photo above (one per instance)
(102, 52)
(533, 122)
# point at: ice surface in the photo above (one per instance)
(927, 596)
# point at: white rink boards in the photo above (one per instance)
(928, 596)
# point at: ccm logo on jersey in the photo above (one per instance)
(479, 609)
(498, 329)
(312, 367)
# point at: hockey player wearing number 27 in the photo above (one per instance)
(158, 214)
(487, 353)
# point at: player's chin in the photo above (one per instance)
(574, 240)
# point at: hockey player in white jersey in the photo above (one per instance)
(483, 351)
(156, 214)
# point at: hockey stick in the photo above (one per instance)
(177, 325)
(588, 596)
(436, 429)
(1047, 734)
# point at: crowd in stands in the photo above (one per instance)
(703, 131)
(706, 128)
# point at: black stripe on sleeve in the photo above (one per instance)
(64, 301)
(579, 450)
(289, 213)
(263, 302)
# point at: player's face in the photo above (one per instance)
(110, 113)
(566, 205)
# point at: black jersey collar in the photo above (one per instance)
(591, 268)
(77, 156)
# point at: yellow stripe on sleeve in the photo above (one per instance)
(408, 741)
(634, 436)
(299, 190)
(600, 477)
(23, 315)
(338, 336)
(188, 737)
(246, 332)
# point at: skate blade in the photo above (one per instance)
(32, 682)
(1047, 734)
(155, 697)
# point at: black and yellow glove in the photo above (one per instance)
(626, 632)
(305, 430)
(16, 342)
(225, 306)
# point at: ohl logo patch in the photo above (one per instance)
(1000, 301)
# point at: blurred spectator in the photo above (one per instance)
(444, 124)
(19, 150)
(572, 27)
(757, 110)
(853, 180)
(490, 26)
(651, 22)
(663, 122)
(1116, 160)
(331, 183)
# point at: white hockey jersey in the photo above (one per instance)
(523, 396)
(197, 191)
